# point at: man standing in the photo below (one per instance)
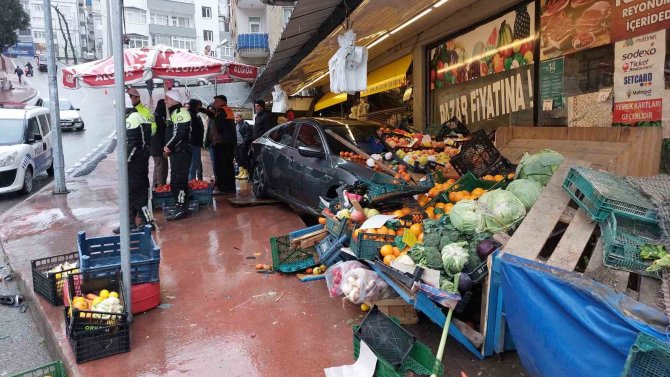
(158, 143)
(178, 149)
(139, 106)
(150, 89)
(138, 136)
(262, 123)
(224, 150)
(19, 72)
(244, 135)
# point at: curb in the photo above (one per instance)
(88, 163)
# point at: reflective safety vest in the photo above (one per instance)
(181, 116)
(148, 115)
(134, 120)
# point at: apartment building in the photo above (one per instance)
(74, 12)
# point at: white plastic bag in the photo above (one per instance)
(335, 274)
(360, 285)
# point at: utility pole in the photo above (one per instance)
(122, 150)
(59, 160)
(109, 29)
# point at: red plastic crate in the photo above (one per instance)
(145, 296)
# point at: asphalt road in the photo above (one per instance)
(96, 110)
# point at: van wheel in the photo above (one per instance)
(27, 181)
(50, 169)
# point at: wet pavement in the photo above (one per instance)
(219, 316)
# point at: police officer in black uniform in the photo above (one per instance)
(178, 148)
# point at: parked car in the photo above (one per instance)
(41, 63)
(158, 83)
(25, 147)
(298, 162)
(69, 115)
(223, 78)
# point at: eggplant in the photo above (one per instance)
(486, 247)
(464, 283)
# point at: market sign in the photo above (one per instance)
(489, 98)
(639, 80)
(551, 83)
(631, 18)
(572, 25)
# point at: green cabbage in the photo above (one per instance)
(539, 167)
(466, 216)
(502, 210)
(454, 257)
(426, 256)
(526, 190)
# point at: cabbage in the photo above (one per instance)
(502, 210)
(454, 257)
(466, 216)
(525, 190)
(539, 167)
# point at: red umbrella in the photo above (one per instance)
(155, 62)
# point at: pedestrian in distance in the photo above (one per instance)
(19, 72)
(29, 69)
(224, 140)
(138, 135)
(178, 149)
(197, 140)
(244, 137)
(157, 144)
(150, 89)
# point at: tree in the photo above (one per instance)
(12, 18)
(66, 34)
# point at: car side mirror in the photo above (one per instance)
(37, 137)
(78, 109)
(311, 152)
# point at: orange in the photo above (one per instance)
(389, 259)
(386, 250)
(432, 193)
(439, 215)
(511, 175)
(451, 181)
(398, 213)
(81, 305)
(383, 230)
(458, 196)
(396, 251)
(487, 178)
(406, 211)
(416, 229)
(391, 232)
(355, 235)
(371, 231)
(478, 192)
(439, 205)
(452, 196)
(322, 220)
(498, 178)
(420, 238)
(423, 201)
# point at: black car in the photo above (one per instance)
(299, 161)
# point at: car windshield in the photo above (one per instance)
(363, 136)
(62, 105)
(11, 131)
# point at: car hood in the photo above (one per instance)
(69, 114)
(11, 148)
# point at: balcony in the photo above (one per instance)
(253, 45)
(250, 4)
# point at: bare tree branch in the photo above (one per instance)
(68, 38)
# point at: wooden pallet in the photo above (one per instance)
(558, 233)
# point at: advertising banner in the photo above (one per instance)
(639, 80)
(631, 18)
(572, 25)
(551, 83)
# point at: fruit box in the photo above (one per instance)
(398, 308)
(50, 285)
(100, 342)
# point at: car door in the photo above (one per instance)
(275, 157)
(310, 178)
(47, 137)
(37, 144)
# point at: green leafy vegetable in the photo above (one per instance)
(466, 216)
(448, 286)
(652, 252)
(526, 190)
(426, 256)
(454, 257)
(539, 167)
(659, 264)
(502, 210)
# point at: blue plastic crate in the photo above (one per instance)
(330, 250)
(102, 255)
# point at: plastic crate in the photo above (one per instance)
(385, 337)
(100, 342)
(478, 156)
(380, 185)
(102, 255)
(338, 227)
(648, 357)
(50, 286)
(330, 250)
(202, 197)
(287, 259)
(599, 194)
(479, 273)
(169, 210)
(367, 245)
(467, 182)
(54, 369)
(83, 283)
(405, 278)
(622, 238)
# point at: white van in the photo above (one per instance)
(26, 147)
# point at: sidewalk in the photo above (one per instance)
(220, 317)
(22, 92)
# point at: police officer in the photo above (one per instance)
(138, 135)
(178, 148)
(139, 106)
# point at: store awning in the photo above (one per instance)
(330, 99)
(390, 76)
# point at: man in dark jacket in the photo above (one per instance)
(197, 140)
(223, 144)
(244, 137)
(138, 135)
(263, 121)
(157, 144)
(178, 148)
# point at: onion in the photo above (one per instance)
(486, 247)
(370, 162)
(464, 283)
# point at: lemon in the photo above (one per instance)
(96, 301)
(104, 294)
(77, 299)
(58, 276)
(365, 307)
(113, 294)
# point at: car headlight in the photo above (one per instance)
(78, 120)
(8, 158)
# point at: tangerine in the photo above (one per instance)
(498, 178)
(396, 251)
(406, 210)
(478, 192)
(511, 176)
(322, 220)
(391, 232)
(420, 238)
(389, 259)
(416, 229)
(386, 250)
(383, 230)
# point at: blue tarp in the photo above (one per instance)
(564, 324)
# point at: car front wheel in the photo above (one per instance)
(27, 181)
(81, 128)
(260, 186)
(177, 84)
(50, 169)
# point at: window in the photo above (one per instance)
(45, 124)
(287, 15)
(183, 42)
(206, 12)
(162, 40)
(226, 51)
(37, 34)
(24, 33)
(208, 35)
(283, 134)
(224, 25)
(38, 8)
(254, 24)
(160, 19)
(308, 136)
(181, 21)
(135, 16)
(138, 41)
(33, 128)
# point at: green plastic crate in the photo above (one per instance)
(54, 369)
(337, 227)
(622, 238)
(382, 184)
(366, 248)
(648, 357)
(289, 260)
(467, 182)
(599, 194)
(420, 361)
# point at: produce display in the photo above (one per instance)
(106, 303)
(194, 184)
(360, 285)
(64, 269)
